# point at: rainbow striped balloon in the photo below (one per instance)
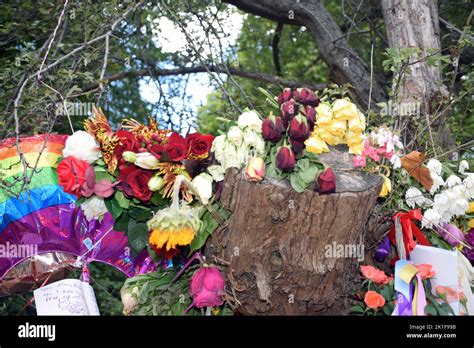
(45, 217)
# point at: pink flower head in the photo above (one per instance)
(207, 287)
(426, 271)
(371, 152)
(359, 161)
(104, 188)
(374, 274)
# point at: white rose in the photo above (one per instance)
(94, 207)
(218, 146)
(250, 119)
(217, 172)
(235, 135)
(203, 184)
(83, 146)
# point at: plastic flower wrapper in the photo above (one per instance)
(175, 225)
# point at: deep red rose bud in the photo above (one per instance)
(297, 146)
(285, 159)
(272, 128)
(327, 181)
(310, 113)
(288, 110)
(285, 95)
(299, 128)
(156, 150)
(306, 97)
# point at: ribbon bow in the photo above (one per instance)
(409, 230)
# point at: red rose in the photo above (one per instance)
(199, 144)
(155, 149)
(72, 174)
(127, 142)
(285, 159)
(327, 181)
(134, 182)
(176, 149)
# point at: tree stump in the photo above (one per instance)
(281, 247)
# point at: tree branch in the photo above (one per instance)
(347, 65)
(276, 49)
(276, 80)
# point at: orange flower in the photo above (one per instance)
(448, 294)
(374, 300)
(374, 274)
(426, 271)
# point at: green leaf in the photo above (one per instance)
(297, 183)
(358, 309)
(123, 201)
(137, 236)
(121, 224)
(430, 310)
(140, 214)
(113, 207)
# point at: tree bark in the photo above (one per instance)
(415, 23)
(347, 65)
(282, 248)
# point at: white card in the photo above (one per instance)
(446, 264)
(66, 297)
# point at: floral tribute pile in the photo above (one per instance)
(163, 190)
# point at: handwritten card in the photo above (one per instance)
(66, 297)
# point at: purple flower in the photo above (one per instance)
(469, 238)
(383, 249)
(450, 234)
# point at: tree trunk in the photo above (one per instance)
(415, 23)
(283, 248)
(346, 64)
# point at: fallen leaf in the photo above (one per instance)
(413, 164)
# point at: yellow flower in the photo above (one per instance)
(331, 139)
(324, 114)
(344, 109)
(357, 124)
(315, 144)
(353, 138)
(470, 223)
(356, 149)
(338, 128)
(386, 188)
(470, 209)
(172, 226)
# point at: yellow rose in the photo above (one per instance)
(470, 223)
(337, 128)
(470, 209)
(331, 139)
(315, 144)
(324, 114)
(344, 109)
(356, 149)
(357, 124)
(353, 138)
(386, 188)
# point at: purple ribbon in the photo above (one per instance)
(383, 249)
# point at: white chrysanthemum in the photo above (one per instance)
(251, 120)
(217, 172)
(235, 135)
(463, 165)
(437, 182)
(414, 197)
(94, 208)
(83, 146)
(218, 146)
(452, 181)
(431, 218)
(435, 166)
